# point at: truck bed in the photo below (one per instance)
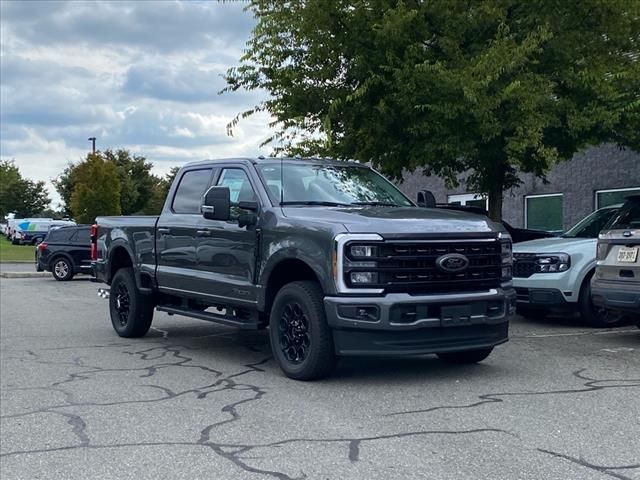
(134, 234)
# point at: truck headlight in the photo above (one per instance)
(552, 262)
(354, 258)
(506, 253)
(362, 251)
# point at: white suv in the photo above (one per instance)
(555, 273)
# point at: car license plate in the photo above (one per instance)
(627, 255)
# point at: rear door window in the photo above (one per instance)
(629, 216)
(82, 236)
(188, 197)
(60, 235)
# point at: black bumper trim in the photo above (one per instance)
(544, 297)
(616, 295)
(419, 342)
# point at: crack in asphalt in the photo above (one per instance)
(590, 386)
(239, 454)
(598, 468)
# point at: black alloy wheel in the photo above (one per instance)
(123, 304)
(293, 332)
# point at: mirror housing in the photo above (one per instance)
(426, 199)
(216, 204)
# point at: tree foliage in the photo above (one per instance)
(490, 87)
(96, 189)
(19, 195)
(137, 183)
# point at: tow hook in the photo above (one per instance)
(104, 293)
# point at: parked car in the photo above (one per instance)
(616, 284)
(33, 232)
(330, 255)
(65, 252)
(555, 273)
(518, 235)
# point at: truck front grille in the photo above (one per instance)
(410, 267)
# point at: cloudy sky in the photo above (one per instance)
(142, 75)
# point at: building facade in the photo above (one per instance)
(592, 179)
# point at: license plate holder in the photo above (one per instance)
(454, 315)
(627, 255)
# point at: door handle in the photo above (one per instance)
(204, 233)
(164, 231)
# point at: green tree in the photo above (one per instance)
(64, 186)
(490, 87)
(96, 189)
(137, 183)
(161, 188)
(19, 195)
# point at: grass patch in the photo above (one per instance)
(15, 253)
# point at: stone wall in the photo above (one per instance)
(598, 168)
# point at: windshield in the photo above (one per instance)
(329, 185)
(591, 225)
(628, 216)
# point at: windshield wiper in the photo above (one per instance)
(316, 203)
(376, 204)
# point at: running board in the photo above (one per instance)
(230, 320)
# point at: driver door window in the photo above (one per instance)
(240, 189)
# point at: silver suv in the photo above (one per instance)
(616, 283)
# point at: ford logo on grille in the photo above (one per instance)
(452, 263)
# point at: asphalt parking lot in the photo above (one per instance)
(195, 400)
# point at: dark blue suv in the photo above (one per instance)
(65, 252)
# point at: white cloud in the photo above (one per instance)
(137, 75)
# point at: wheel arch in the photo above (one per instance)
(282, 272)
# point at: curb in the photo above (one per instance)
(24, 274)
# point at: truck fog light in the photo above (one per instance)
(361, 278)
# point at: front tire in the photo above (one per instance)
(301, 340)
(598, 317)
(131, 311)
(62, 269)
(466, 357)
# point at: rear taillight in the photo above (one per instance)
(42, 246)
(93, 233)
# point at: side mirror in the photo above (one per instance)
(426, 199)
(217, 204)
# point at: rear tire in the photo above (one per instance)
(596, 316)
(62, 269)
(465, 357)
(301, 340)
(131, 311)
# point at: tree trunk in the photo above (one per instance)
(496, 190)
(495, 204)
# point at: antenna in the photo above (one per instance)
(281, 181)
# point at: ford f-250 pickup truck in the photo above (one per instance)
(329, 255)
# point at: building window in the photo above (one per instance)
(543, 212)
(604, 198)
(469, 199)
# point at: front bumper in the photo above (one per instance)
(403, 324)
(623, 296)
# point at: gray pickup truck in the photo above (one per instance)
(329, 255)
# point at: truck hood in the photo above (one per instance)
(395, 220)
(557, 245)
